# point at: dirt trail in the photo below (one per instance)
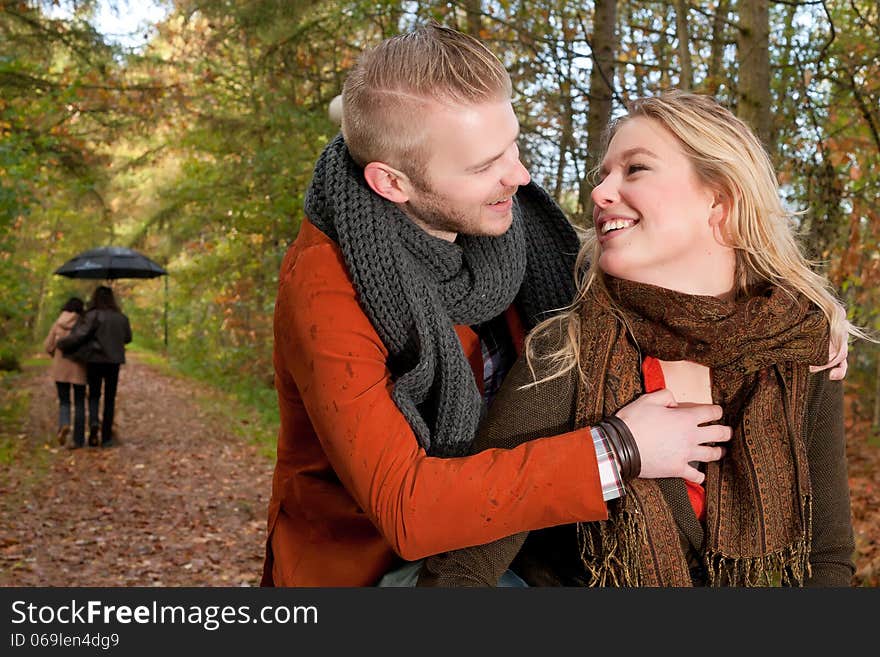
(181, 501)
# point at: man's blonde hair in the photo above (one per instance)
(728, 158)
(392, 86)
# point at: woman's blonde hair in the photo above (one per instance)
(728, 158)
(393, 85)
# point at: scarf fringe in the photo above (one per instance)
(788, 566)
(611, 550)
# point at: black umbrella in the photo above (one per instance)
(110, 262)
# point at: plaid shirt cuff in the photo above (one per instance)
(609, 468)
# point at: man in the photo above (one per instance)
(425, 256)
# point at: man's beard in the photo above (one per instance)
(431, 213)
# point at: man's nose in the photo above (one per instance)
(516, 175)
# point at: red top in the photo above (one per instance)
(655, 381)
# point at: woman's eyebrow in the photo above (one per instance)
(628, 153)
(638, 150)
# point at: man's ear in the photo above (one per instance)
(388, 182)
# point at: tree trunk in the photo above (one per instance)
(566, 138)
(753, 91)
(41, 308)
(719, 36)
(686, 78)
(789, 34)
(474, 10)
(601, 92)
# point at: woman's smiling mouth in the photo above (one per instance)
(611, 224)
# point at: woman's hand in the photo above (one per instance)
(837, 350)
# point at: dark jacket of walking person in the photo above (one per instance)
(67, 374)
(104, 322)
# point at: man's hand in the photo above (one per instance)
(669, 436)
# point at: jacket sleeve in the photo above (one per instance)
(833, 544)
(519, 414)
(49, 342)
(80, 332)
(127, 337)
(327, 348)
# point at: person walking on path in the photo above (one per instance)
(111, 331)
(68, 373)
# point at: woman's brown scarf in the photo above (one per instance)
(758, 498)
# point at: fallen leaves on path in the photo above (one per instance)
(181, 501)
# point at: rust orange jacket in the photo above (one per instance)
(352, 486)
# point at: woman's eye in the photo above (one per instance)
(635, 168)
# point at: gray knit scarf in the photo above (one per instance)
(415, 288)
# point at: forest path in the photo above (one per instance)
(180, 501)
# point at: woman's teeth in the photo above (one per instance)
(616, 224)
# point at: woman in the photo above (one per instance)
(110, 327)
(68, 373)
(696, 284)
